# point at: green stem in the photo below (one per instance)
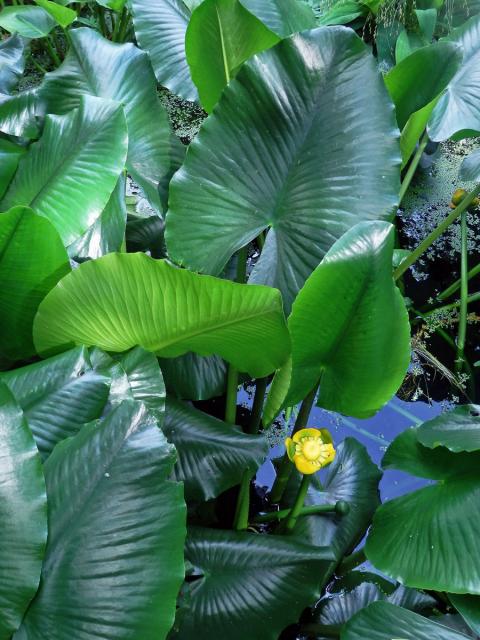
(68, 39)
(285, 467)
(474, 271)
(316, 630)
(436, 233)
(413, 167)
(305, 511)
(101, 20)
(124, 20)
(351, 562)
(462, 324)
(37, 65)
(257, 407)
(51, 50)
(298, 504)
(474, 297)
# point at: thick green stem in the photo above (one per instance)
(298, 504)
(413, 167)
(474, 297)
(474, 271)
(37, 65)
(124, 21)
(338, 507)
(351, 562)
(436, 233)
(285, 467)
(52, 52)
(101, 20)
(462, 324)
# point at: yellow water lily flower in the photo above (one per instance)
(310, 449)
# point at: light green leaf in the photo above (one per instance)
(160, 28)
(27, 21)
(459, 108)
(114, 559)
(343, 12)
(10, 155)
(283, 17)
(212, 455)
(247, 580)
(32, 261)
(23, 514)
(349, 326)
(69, 175)
(413, 130)
(432, 533)
(121, 72)
(108, 231)
(62, 15)
(124, 300)
(421, 77)
(458, 430)
(220, 36)
(58, 395)
(384, 621)
(12, 62)
(427, 20)
(115, 5)
(309, 175)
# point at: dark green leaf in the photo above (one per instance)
(114, 559)
(250, 583)
(212, 455)
(242, 323)
(32, 261)
(310, 170)
(23, 514)
(146, 234)
(10, 155)
(469, 607)
(193, 377)
(12, 62)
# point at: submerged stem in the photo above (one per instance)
(462, 325)
(436, 233)
(285, 467)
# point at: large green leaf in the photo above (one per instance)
(353, 478)
(421, 77)
(12, 62)
(193, 377)
(62, 15)
(27, 21)
(212, 455)
(160, 28)
(10, 155)
(469, 607)
(58, 395)
(69, 175)
(458, 430)
(432, 533)
(220, 36)
(251, 584)
(23, 514)
(19, 113)
(114, 559)
(384, 621)
(283, 17)
(32, 261)
(459, 108)
(124, 300)
(107, 233)
(94, 66)
(322, 160)
(349, 326)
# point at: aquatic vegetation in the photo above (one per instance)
(223, 222)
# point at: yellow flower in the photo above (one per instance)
(460, 195)
(310, 449)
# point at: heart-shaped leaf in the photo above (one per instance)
(108, 572)
(58, 395)
(242, 323)
(220, 36)
(94, 66)
(27, 21)
(212, 455)
(283, 17)
(247, 580)
(432, 533)
(459, 108)
(23, 513)
(69, 175)
(349, 326)
(384, 621)
(458, 430)
(32, 261)
(160, 28)
(310, 171)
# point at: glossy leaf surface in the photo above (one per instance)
(307, 171)
(27, 21)
(124, 300)
(194, 377)
(458, 430)
(283, 17)
(12, 62)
